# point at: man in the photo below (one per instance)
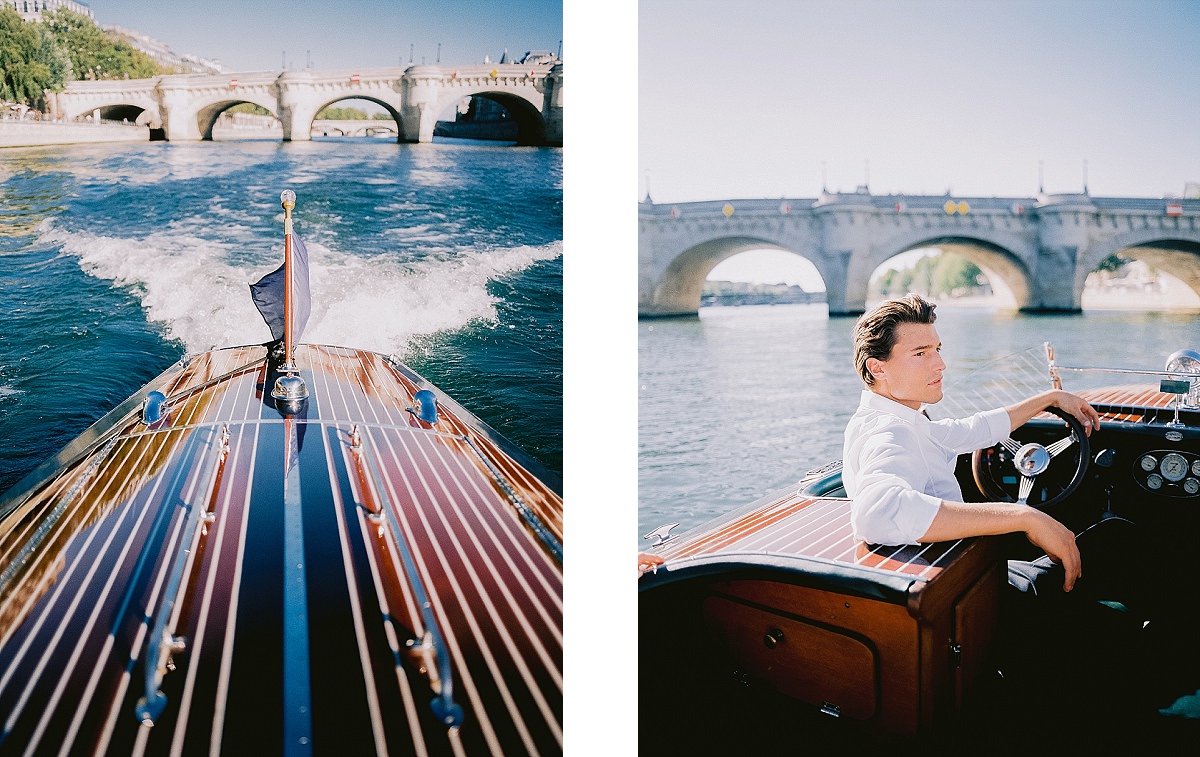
(898, 466)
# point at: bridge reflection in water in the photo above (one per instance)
(1041, 248)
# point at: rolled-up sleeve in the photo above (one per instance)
(976, 432)
(889, 505)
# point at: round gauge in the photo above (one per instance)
(1191, 486)
(1174, 466)
(1149, 463)
(1196, 468)
(1154, 481)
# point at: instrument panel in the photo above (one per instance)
(1169, 472)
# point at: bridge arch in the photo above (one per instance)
(1175, 251)
(682, 282)
(397, 128)
(145, 113)
(135, 114)
(206, 117)
(1002, 256)
(524, 108)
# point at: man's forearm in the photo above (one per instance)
(956, 520)
(1073, 404)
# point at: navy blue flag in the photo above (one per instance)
(269, 291)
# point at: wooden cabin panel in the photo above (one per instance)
(956, 644)
(887, 628)
(813, 664)
(936, 598)
(975, 618)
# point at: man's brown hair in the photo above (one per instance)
(875, 332)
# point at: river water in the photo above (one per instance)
(116, 260)
(744, 400)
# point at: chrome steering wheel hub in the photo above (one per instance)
(1032, 460)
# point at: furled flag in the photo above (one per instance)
(268, 294)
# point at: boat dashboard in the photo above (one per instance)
(1142, 466)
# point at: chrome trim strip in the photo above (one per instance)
(160, 646)
(444, 706)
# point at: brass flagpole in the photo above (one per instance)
(288, 200)
(289, 390)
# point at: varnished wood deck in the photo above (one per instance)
(329, 577)
(815, 530)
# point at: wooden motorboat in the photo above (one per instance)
(271, 550)
(771, 627)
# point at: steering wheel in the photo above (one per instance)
(1029, 462)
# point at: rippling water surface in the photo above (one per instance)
(742, 401)
(115, 260)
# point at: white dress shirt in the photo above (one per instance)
(898, 465)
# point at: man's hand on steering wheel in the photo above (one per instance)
(1030, 460)
(1079, 408)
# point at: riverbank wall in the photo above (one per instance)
(37, 133)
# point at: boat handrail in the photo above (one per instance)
(1159, 373)
(443, 705)
(47, 523)
(527, 514)
(210, 382)
(160, 646)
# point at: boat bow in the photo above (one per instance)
(203, 569)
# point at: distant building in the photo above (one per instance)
(538, 58)
(31, 10)
(164, 55)
(531, 58)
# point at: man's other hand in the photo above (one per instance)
(1058, 542)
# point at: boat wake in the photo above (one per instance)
(197, 288)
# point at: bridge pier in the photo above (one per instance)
(178, 117)
(296, 110)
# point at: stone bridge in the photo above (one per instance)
(185, 107)
(1042, 248)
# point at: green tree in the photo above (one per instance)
(251, 108)
(1113, 263)
(94, 54)
(887, 281)
(30, 60)
(951, 272)
(342, 114)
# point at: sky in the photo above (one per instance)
(782, 98)
(334, 35)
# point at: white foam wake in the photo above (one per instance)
(190, 285)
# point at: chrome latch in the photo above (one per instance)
(828, 708)
(662, 533)
(955, 655)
